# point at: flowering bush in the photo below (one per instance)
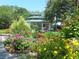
(58, 49)
(71, 26)
(17, 43)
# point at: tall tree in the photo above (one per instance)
(10, 13)
(58, 8)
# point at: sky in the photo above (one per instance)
(31, 5)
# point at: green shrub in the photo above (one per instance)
(5, 21)
(4, 31)
(58, 49)
(71, 26)
(51, 35)
(21, 27)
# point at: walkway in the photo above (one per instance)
(3, 53)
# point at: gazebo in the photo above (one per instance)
(39, 21)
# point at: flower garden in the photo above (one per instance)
(28, 42)
(63, 44)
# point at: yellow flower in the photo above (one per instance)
(44, 49)
(55, 52)
(67, 46)
(71, 57)
(64, 57)
(39, 50)
(75, 42)
(60, 48)
(76, 52)
(70, 51)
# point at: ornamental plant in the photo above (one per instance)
(17, 43)
(71, 26)
(51, 35)
(58, 49)
(21, 27)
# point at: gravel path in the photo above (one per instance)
(3, 53)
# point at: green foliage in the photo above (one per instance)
(14, 11)
(4, 31)
(7, 42)
(20, 12)
(21, 27)
(51, 35)
(46, 50)
(71, 26)
(5, 21)
(58, 8)
(20, 45)
(17, 43)
(10, 13)
(58, 49)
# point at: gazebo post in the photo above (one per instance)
(42, 26)
(49, 26)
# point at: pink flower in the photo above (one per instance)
(18, 36)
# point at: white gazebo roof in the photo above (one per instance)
(36, 17)
(34, 20)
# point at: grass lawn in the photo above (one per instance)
(4, 31)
